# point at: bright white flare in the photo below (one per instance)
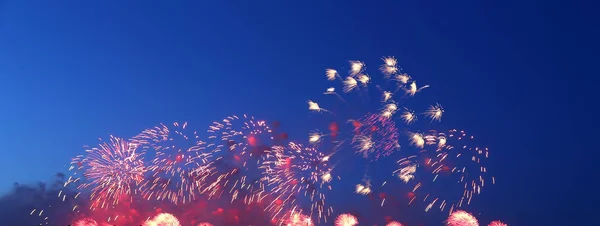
(346, 220)
(394, 223)
(386, 96)
(331, 74)
(349, 84)
(417, 140)
(408, 116)
(356, 67)
(364, 79)
(407, 173)
(314, 137)
(402, 78)
(413, 89)
(363, 189)
(389, 67)
(435, 112)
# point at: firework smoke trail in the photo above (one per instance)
(346, 220)
(295, 171)
(446, 160)
(180, 164)
(240, 144)
(111, 171)
(461, 218)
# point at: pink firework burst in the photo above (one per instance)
(346, 220)
(180, 163)
(85, 222)
(111, 171)
(163, 219)
(497, 223)
(394, 223)
(375, 136)
(461, 218)
(204, 224)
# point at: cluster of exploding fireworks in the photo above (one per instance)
(245, 161)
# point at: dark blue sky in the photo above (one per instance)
(510, 72)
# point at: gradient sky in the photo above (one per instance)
(73, 71)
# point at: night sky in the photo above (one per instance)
(511, 72)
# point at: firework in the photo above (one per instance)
(180, 164)
(296, 170)
(163, 219)
(394, 223)
(497, 223)
(204, 224)
(111, 171)
(375, 136)
(85, 222)
(240, 145)
(461, 218)
(298, 219)
(346, 220)
(449, 170)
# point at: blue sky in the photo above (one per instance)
(74, 71)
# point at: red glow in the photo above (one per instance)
(356, 124)
(252, 140)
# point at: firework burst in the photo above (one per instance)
(346, 220)
(297, 219)
(163, 219)
(372, 135)
(240, 145)
(296, 171)
(393, 223)
(449, 169)
(461, 218)
(111, 172)
(180, 164)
